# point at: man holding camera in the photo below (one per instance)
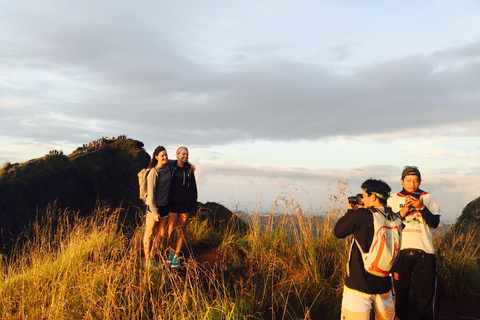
(420, 214)
(362, 289)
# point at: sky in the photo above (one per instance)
(274, 99)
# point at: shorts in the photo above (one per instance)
(179, 207)
(357, 305)
(162, 211)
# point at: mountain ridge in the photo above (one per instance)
(77, 181)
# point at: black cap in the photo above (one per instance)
(411, 171)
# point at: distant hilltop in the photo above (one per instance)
(469, 220)
(104, 171)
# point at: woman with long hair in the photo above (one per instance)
(158, 188)
(183, 200)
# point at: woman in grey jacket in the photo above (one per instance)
(158, 188)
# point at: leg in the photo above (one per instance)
(161, 227)
(171, 225)
(384, 307)
(160, 232)
(425, 279)
(401, 284)
(355, 305)
(182, 231)
(147, 237)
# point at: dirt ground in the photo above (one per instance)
(458, 310)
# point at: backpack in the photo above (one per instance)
(385, 246)
(142, 183)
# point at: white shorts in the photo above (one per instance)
(357, 305)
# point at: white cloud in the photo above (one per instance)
(312, 85)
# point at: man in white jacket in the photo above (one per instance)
(420, 214)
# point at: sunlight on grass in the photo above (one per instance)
(287, 264)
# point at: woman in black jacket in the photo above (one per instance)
(183, 200)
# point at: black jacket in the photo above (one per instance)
(183, 187)
(360, 223)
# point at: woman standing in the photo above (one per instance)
(158, 188)
(183, 200)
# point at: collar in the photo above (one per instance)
(404, 193)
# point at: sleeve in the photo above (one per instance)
(394, 203)
(151, 190)
(345, 225)
(171, 163)
(193, 193)
(431, 212)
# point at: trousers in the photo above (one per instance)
(417, 268)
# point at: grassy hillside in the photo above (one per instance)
(81, 258)
(77, 181)
(91, 268)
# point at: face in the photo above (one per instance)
(368, 200)
(182, 155)
(410, 183)
(162, 158)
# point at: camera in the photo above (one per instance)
(416, 194)
(356, 200)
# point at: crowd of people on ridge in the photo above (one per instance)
(93, 145)
(55, 152)
(99, 143)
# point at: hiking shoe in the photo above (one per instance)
(170, 257)
(175, 262)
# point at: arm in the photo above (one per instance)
(192, 193)
(345, 225)
(431, 219)
(151, 190)
(431, 212)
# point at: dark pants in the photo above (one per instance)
(421, 268)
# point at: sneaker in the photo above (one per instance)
(170, 257)
(175, 262)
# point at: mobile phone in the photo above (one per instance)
(416, 194)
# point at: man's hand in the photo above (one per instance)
(414, 202)
(352, 206)
(411, 202)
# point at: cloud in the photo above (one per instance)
(118, 67)
(221, 74)
(254, 187)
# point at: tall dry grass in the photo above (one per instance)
(458, 264)
(74, 267)
(288, 265)
(293, 263)
(86, 268)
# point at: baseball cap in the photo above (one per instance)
(411, 171)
